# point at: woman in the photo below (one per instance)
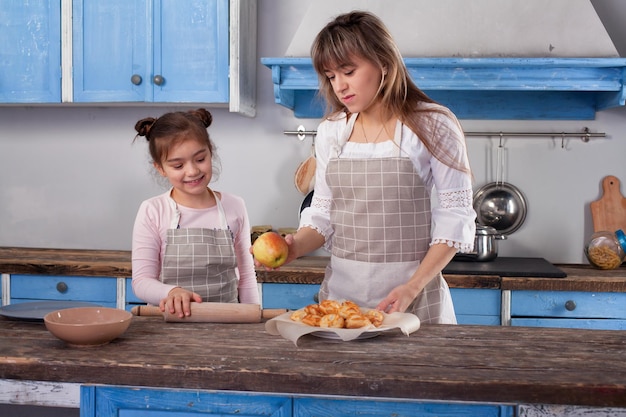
(381, 149)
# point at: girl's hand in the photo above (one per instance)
(178, 302)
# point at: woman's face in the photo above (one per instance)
(355, 85)
(188, 167)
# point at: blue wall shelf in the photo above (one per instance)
(482, 88)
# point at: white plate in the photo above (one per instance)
(368, 334)
(36, 310)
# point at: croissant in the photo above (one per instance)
(356, 321)
(333, 314)
(375, 316)
(332, 320)
(311, 320)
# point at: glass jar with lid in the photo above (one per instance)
(606, 250)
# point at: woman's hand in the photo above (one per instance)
(398, 299)
(178, 302)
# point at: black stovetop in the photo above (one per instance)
(506, 267)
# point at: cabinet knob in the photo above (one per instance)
(62, 287)
(158, 80)
(136, 79)
(570, 305)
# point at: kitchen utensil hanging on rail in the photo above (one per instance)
(305, 173)
(609, 211)
(499, 204)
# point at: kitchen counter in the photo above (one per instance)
(438, 362)
(306, 270)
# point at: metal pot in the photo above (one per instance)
(485, 245)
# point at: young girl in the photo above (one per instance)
(380, 151)
(190, 244)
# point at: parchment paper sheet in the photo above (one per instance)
(283, 326)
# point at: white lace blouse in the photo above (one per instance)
(453, 217)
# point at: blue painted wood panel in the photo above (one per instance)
(553, 304)
(596, 324)
(322, 407)
(112, 41)
(191, 51)
(121, 46)
(107, 401)
(30, 55)
(291, 296)
(101, 290)
(483, 88)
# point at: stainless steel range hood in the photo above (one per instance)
(564, 67)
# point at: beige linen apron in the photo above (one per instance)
(201, 260)
(380, 212)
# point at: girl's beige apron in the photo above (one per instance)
(381, 215)
(201, 260)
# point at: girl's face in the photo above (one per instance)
(355, 85)
(188, 168)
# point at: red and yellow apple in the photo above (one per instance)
(270, 249)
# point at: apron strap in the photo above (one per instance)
(175, 223)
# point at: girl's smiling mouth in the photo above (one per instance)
(194, 182)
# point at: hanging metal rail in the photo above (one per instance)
(585, 135)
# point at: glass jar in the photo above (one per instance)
(606, 250)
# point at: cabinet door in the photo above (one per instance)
(112, 43)
(477, 306)
(151, 51)
(291, 296)
(110, 401)
(30, 55)
(99, 290)
(570, 309)
(322, 407)
(191, 51)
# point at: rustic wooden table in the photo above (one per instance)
(438, 362)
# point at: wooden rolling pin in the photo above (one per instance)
(208, 312)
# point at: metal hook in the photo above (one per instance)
(587, 135)
(562, 140)
(301, 132)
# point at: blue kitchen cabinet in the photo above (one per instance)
(477, 305)
(571, 309)
(131, 299)
(367, 407)
(109, 401)
(97, 290)
(113, 401)
(290, 296)
(30, 56)
(151, 51)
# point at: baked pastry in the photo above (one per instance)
(313, 309)
(298, 315)
(333, 314)
(329, 306)
(356, 321)
(376, 317)
(311, 320)
(347, 310)
(332, 320)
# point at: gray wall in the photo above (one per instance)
(71, 176)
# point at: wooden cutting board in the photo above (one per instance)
(609, 212)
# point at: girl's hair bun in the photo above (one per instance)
(204, 115)
(143, 126)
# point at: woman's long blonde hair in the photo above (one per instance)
(362, 34)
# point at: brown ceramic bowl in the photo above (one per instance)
(88, 326)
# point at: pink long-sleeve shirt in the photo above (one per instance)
(154, 218)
